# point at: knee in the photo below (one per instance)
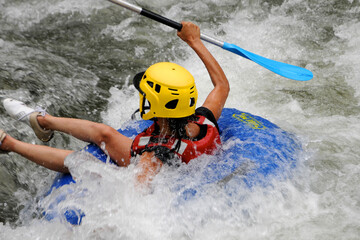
(104, 133)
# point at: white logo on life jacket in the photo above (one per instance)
(183, 146)
(144, 141)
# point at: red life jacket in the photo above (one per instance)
(189, 149)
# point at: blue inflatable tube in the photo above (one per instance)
(259, 150)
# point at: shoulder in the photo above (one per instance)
(205, 112)
(197, 128)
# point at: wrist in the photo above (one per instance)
(193, 43)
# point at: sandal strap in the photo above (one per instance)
(39, 110)
(43, 134)
(2, 137)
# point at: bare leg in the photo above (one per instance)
(117, 145)
(51, 158)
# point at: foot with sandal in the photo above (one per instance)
(21, 112)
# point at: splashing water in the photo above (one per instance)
(77, 58)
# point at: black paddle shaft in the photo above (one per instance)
(161, 19)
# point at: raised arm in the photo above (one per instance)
(215, 101)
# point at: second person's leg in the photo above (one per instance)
(117, 145)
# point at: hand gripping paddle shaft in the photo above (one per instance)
(283, 69)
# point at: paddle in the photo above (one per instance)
(283, 69)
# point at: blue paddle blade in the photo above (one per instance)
(283, 69)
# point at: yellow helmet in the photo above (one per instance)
(169, 90)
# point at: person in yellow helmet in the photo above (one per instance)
(168, 96)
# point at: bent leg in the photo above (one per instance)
(51, 158)
(117, 145)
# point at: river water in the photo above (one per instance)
(77, 59)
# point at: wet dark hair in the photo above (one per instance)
(177, 127)
(178, 131)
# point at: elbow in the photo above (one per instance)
(223, 84)
(225, 88)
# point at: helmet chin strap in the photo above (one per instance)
(133, 117)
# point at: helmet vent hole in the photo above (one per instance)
(172, 104)
(174, 90)
(151, 84)
(157, 88)
(192, 102)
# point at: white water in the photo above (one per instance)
(320, 201)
